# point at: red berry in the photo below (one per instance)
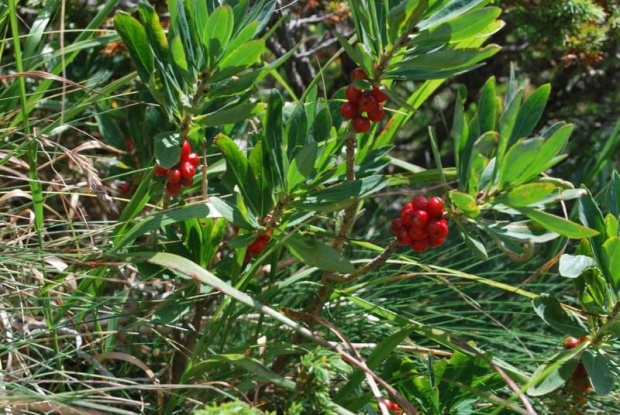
(376, 114)
(124, 188)
(358, 73)
(193, 159)
(361, 124)
(257, 246)
(419, 203)
(417, 234)
(392, 406)
(186, 149)
(348, 110)
(435, 207)
(173, 189)
(396, 225)
(187, 181)
(160, 171)
(419, 218)
(174, 175)
(571, 342)
(436, 242)
(437, 228)
(366, 103)
(378, 93)
(403, 237)
(407, 217)
(420, 246)
(353, 94)
(406, 206)
(188, 170)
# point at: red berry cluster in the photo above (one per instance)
(259, 244)
(183, 173)
(420, 224)
(360, 102)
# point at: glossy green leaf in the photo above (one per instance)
(238, 164)
(245, 35)
(305, 158)
(468, 25)
(529, 194)
(297, 130)
(612, 227)
(341, 194)
(134, 37)
(317, 254)
(591, 216)
(487, 109)
(554, 380)
(449, 59)
(559, 225)
(239, 59)
(518, 160)
(217, 33)
(230, 114)
(321, 126)
(523, 231)
(599, 370)
(353, 53)
(154, 31)
(274, 139)
(572, 266)
(451, 10)
(613, 194)
(403, 17)
(611, 257)
(178, 55)
(547, 157)
(530, 113)
(167, 149)
(261, 170)
(233, 214)
(550, 310)
(507, 122)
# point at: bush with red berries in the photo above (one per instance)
(183, 173)
(421, 224)
(363, 102)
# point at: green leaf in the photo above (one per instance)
(317, 254)
(465, 202)
(217, 33)
(403, 17)
(611, 259)
(238, 164)
(559, 225)
(154, 31)
(261, 172)
(245, 35)
(297, 131)
(528, 194)
(523, 231)
(591, 216)
(487, 108)
(451, 10)
(167, 149)
(461, 28)
(613, 194)
(550, 310)
(599, 370)
(274, 141)
(547, 157)
(530, 113)
(322, 125)
(241, 241)
(554, 380)
(518, 159)
(612, 228)
(448, 59)
(355, 55)
(239, 59)
(572, 266)
(305, 158)
(233, 214)
(230, 114)
(341, 194)
(134, 37)
(507, 123)
(178, 55)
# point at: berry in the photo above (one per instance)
(392, 406)
(437, 228)
(396, 225)
(361, 124)
(407, 217)
(193, 159)
(348, 110)
(419, 218)
(403, 237)
(417, 234)
(420, 246)
(353, 94)
(419, 203)
(124, 188)
(186, 149)
(376, 114)
(571, 342)
(188, 170)
(436, 242)
(174, 175)
(358, 73)
(378, 93)
(173, 189)
(160, 171)
(435, 207)
(187, 181)
(367, 103)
